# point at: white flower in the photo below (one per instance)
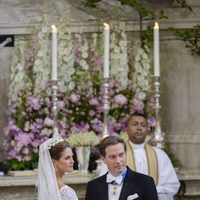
(27, 126)
(144, 56)
(141, 95)
(83, 139)
(46, 131)
(48, 122)
(137, 58)
(71, 86)
(84, 55)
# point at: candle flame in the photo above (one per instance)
(156, 25)
(54, 29)
(106, 26)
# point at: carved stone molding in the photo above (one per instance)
(183, 139)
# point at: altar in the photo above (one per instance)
(24, 187)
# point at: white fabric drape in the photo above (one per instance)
(47, 184)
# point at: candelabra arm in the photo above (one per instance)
(106, 107)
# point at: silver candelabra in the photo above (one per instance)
(55, 106)
(158, 134)
(106, 107)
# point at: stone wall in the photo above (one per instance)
(23, 187)
(180, 73)
(180, 100)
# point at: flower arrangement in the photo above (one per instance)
(80, 94)
(88, 138)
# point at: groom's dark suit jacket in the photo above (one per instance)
(134, 182)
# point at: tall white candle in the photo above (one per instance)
(106, 50)
(54, 53)
(156, 51)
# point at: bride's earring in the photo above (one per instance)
(55, 167)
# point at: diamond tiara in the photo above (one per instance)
(53, 141)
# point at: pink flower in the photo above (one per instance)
(61, 104)
(74, 98)
(120, 99)
(93, 101)
(138, 104)
(23, 138)
(34, 103)
(91, 112)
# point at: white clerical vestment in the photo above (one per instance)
(168, 183)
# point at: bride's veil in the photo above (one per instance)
(47, 184)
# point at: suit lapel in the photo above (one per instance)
(103, 188)
(128, 185)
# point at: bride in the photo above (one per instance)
(55, 158)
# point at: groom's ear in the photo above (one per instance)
(103, 158)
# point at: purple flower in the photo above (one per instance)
(61, 104)
(151, 121)
(48, 122)
(93, 101)
(123, 123)
(34, 103)
(36, 142)
(91, 113)
(120, 99)
(95, 151)
(74, 98)
(12, 154)
(26, 158)
(138, 105)
(97, 125)
(81, 127)
(23, 138)
(39, 120)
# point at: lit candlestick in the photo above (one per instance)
(54, 53)
(106, 49)
(156, 51)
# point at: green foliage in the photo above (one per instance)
(139, 7)
(147, 37)
(23, 165)
(184, 4)
(162, 15)
(175, 161)
(191, 37)
(92, 162)
(91, 3)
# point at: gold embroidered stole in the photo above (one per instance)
(151, 159)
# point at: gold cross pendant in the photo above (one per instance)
(115, 187)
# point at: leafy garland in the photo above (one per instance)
(191, 37)
(142, 10)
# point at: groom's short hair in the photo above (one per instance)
(108, 141)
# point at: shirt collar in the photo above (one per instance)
(137, 146)
(116, 179)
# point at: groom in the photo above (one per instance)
(120, 182)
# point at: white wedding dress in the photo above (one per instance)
(67, 193)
